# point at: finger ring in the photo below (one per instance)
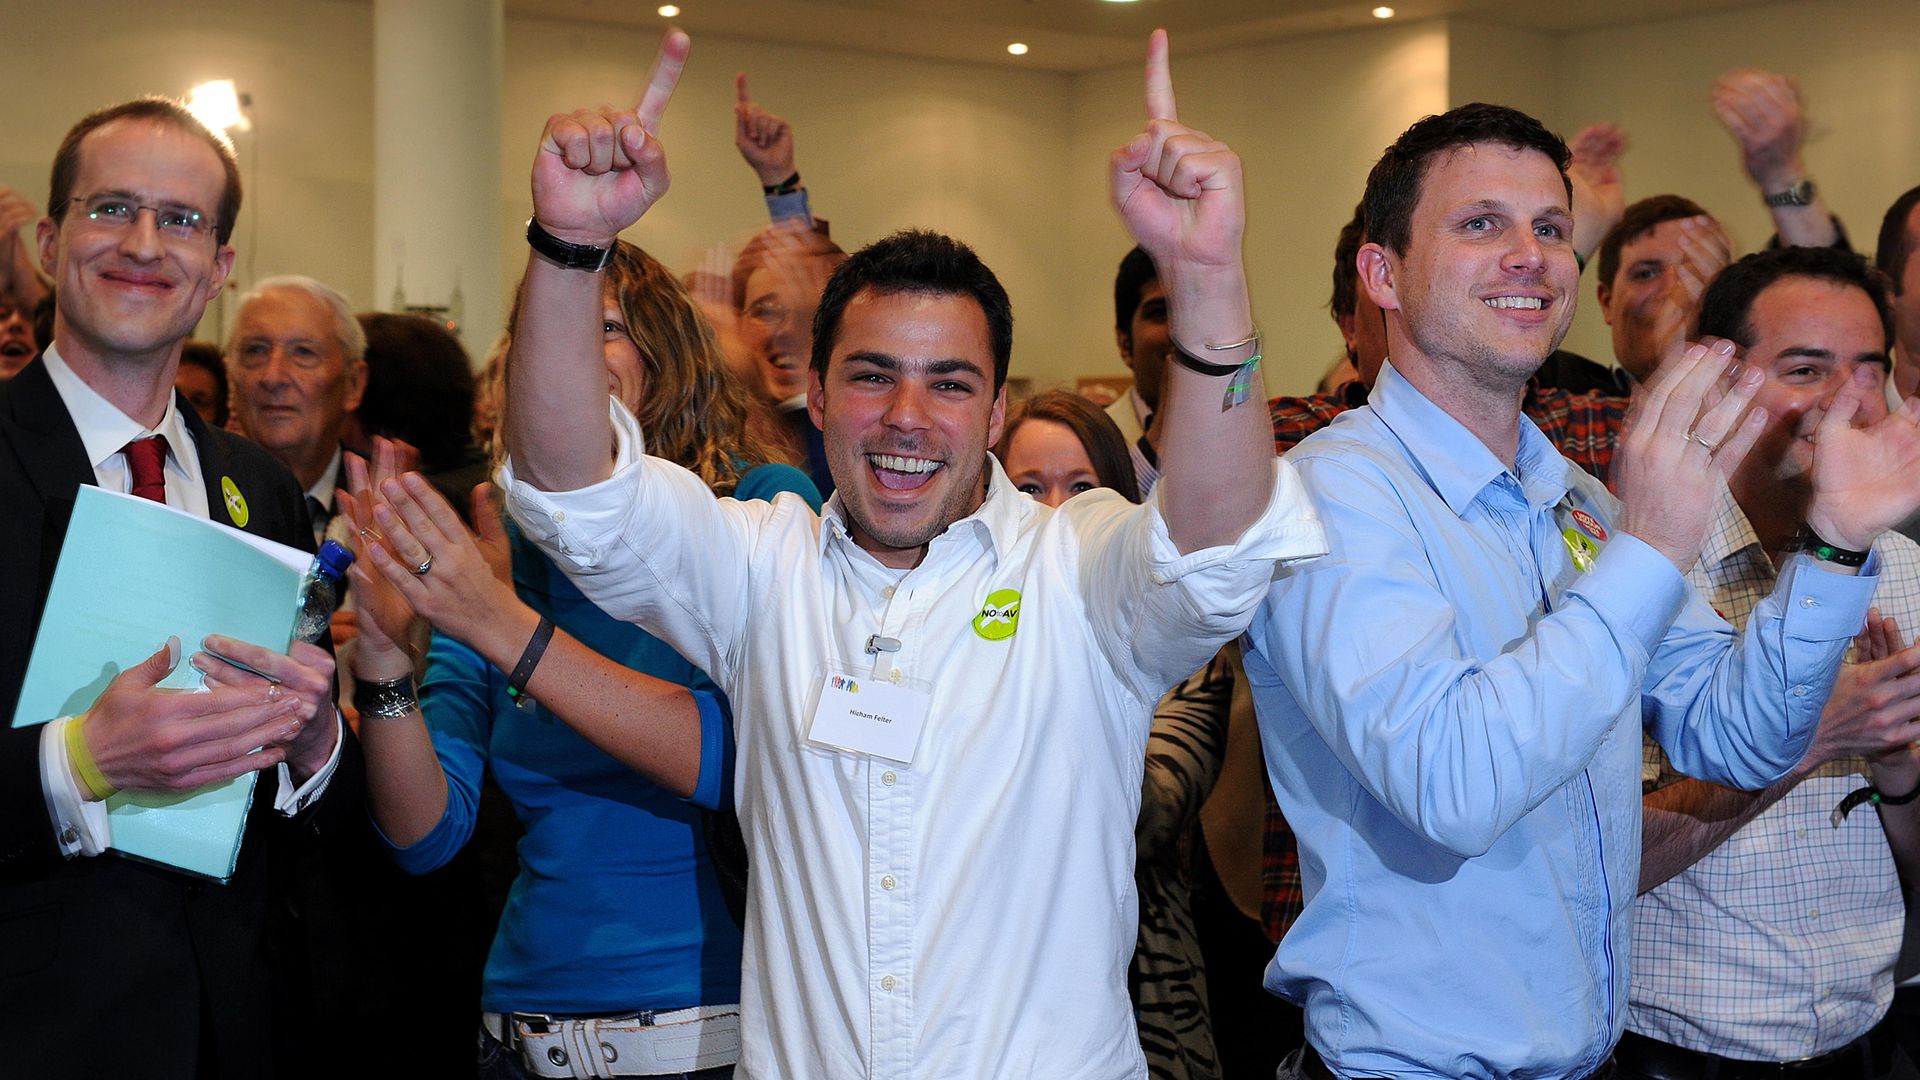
(1695, 436)
(426, 564)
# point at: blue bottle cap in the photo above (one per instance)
(334, 558)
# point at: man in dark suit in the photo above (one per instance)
(110, 967)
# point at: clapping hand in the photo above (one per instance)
(1865, 479)
(1599, 192)
(1688, 429)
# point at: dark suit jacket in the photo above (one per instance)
(109, 967)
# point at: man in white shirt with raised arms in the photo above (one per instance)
(942, 689)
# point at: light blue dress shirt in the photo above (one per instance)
(1451, 711)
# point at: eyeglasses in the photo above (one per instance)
(119, 211)
(768, 313)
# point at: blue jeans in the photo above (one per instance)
(499, 1063)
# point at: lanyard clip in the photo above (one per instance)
(877, 644)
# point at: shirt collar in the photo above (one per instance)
(1457, 464)
(996, 523)
(104, 429)
(1140, 410)
(324, 487)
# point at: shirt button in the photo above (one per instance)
(895, 676)
(1799, 691)
(69, 836)
(559, 515)
(1813, 913)
(888, 778)
(1809, 602)
(886, 982)
(886, 593)
(888, 881)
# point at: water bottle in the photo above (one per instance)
(321, 590)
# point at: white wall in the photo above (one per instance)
(307, 167)
(1308, 117)
(1858, 62)
(1012, 161)
(883, 143)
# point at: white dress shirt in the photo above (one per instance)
(80, 826)
(969, 915)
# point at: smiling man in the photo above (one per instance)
(942, 689)
(1451, 702)
(297, 359)
(114, 967)
(1770, 930)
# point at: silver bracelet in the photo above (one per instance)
(388, 699)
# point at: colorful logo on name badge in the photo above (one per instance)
(841, 682)
(1581, 547)
(1591, 524)
(236, 502)
(999, 617)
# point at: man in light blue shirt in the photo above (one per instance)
(1452, 701)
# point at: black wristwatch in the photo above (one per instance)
(569, 256)
(1798, 193)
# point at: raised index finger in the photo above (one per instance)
(667, 64)
(1159, 79)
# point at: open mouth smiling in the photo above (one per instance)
(898, 472)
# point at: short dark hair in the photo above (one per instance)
(419, 387)
(1728, 303)
(916, 261)
(1346, 272)
(1636, 221)
(206, 356)
(1896, 242)
(1135, 274)
(66, 160)
(1099, 436)
(1393, 187)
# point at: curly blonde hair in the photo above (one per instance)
(696, 411)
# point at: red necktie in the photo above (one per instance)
(145, 458)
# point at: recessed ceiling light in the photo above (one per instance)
(1018, 48)
(668, 11)
(1383, 12)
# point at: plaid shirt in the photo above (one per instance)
(1583, 426)
(1779, 943)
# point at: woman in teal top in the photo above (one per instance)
(616, 912)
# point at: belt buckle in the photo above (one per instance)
(537, 1023)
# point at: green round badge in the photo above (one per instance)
(999, 617)
(236, 502)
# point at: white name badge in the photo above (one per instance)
(866, 715)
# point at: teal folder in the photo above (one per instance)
(133, 572)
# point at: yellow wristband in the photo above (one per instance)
(82, 759)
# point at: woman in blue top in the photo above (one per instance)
(615, 936)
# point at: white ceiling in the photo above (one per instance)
(1074, 35)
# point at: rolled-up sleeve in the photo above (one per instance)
(652, 545)
(1158, 613)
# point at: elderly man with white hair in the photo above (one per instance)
(297, 363)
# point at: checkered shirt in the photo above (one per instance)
(1778, 944)
(1583, 426)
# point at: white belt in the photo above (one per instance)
(682, 1040)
